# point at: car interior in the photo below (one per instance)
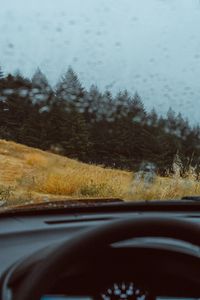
(115, 251)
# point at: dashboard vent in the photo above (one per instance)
(54, 222)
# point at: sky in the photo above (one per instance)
(148, 46)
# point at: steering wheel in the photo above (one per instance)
(71, 253)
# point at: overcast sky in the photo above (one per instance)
(152, 46)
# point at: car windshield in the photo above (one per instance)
(99, 100)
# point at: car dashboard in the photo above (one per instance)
(27, 239)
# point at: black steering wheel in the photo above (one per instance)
(71, 253)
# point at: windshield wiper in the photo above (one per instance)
(94, 205)
(68, 203)
(191, 198)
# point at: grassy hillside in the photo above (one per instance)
(29, 175)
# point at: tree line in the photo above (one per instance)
(93, 126)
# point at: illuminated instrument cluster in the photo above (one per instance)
(124, 291)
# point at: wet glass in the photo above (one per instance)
(112, 84)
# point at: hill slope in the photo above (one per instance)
(29, 175)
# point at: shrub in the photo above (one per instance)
(96, 190)
(6, 192)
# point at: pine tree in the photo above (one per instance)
(76, 142)
(93, 104)
(70, 91)
(1, 73)
(18, 106)
(153, 118)
(41, 89)
(40, 80)
(171, 120)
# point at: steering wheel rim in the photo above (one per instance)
(35, 286)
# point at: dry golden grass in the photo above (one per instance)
(83, 181)
(30, 175)
(34, 175)
(36, 159)
(164, 188)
